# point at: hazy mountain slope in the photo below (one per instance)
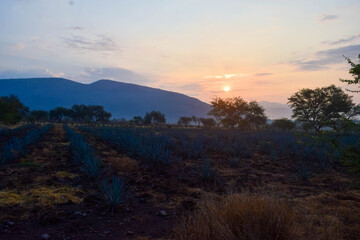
(121, 99)
(276, 110)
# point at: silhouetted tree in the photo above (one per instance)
(97, 114)
(158, 117)
(39, 115)
(195, 120)
(147, 118)
(90, 113)
(208, 122)
(155, 117)
(137, 120)
(236, 112)
(283, 124)
(321, 106)
(58, 114)
(184, 121)
(354, 71)
(12, 110)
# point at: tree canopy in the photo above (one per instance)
(354, 71)
(12, 109)
(321, 106)
(184, 121)
(236, 112)
(283, 124)
(81, 113)
(154, 117)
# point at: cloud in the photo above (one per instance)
(263, 74)
(101, 43)
(226, 76)
(29, 73)
(116, 74)
(343, 40)
(190, 87)
(76, 28)
(88, 75)
(327, 57)
(328, 17)
(18, 46)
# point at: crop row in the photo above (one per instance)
(85, 155)
(5, 131)
(16, 147)
(149, 148)
(313, 152)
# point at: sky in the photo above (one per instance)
(263, 50)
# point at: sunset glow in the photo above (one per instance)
(264, 50)
(226, 88)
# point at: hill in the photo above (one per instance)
(123, 100)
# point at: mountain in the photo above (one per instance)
(123, 100)
(276, 110)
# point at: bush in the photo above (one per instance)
(283, 124)
(241, 217)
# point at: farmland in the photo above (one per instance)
(85, 182)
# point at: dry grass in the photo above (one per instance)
(241, 217)
(252, 217)
(42, 196)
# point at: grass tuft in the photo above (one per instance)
(241, 217)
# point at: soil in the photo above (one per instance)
(45, 192)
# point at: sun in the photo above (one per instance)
(226, 88)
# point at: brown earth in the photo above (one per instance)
(45, 192)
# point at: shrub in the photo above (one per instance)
(243, 216)
(283, 124)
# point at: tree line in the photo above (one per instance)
(12, 110)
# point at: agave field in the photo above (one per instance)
(96, 182)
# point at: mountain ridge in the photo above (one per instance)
(123, 100)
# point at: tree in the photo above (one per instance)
(208, 122)
(58, 114)
(321, 106)
(155, 117)
(236, 112)
(184, 121)
(12, 110)
(158, 117)
(39, 115)
(97, 114)
(195, 120)
(89, 113)
(283, 124)
(354, 71)
(137, 120)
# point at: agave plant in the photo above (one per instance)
(114, 193)
(205, 170)
(16, 146)
(83, 153)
